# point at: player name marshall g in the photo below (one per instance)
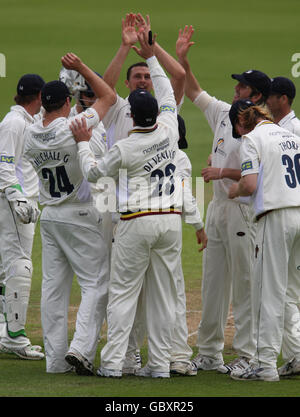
(45, 156)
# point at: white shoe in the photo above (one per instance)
(257, 374)
(109, 373)
(81, 364)
(131, 365)
(238, 366)
(148, 373)
(206, 363)
(291, 367)
(28, 352)
(183, 368)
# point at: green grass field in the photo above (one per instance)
(230, 37)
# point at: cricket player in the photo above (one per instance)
(270, 157)
(148, 238)
(230, 231)
(280, 100)
(85, 98)
(19, 213)
(71, 229)
(118, 123)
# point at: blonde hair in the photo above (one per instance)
(249, 117)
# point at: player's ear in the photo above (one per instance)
(126, 83)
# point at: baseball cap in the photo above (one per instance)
(30, 84)
(54, 92)
(182, 142)
(144, 107)
(256, 79)
(236, 107)
(283, 86)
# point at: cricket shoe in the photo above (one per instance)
(81, 364)
(138, 357)
(257, 374)
(238, 366)
(146, 372)
(290, 368)
(109, 373)
(28, 352)
(183, 368)
(131, 365)
(206, 363)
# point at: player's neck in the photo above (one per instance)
(281, 114)
(49, 117)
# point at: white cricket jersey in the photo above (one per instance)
(52, 151)
(148, 156)
(225, 148)
(190, 212)
(118, 121)
(291, 123)
(274, 154)
(14, 168)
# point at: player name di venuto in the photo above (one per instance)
(45, 156)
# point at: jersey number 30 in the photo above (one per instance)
(58, 179)
(293, 170)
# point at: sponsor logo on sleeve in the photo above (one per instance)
(7, 159)
(167, 108)
(246, 165)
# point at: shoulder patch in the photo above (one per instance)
(246, 165)
(167, 108)
(7, 159)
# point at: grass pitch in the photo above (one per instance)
(230, 37)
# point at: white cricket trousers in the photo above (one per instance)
(181, 351)
(276, 289)
(16, 240)
(226, 278)
(146, 250)
(72, 243)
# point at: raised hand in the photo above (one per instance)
(129, 34)
(142, 23)
(184, 43)
(146, 50)
(71, 61)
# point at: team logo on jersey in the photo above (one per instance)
(219, 143)
(7, 159)
(167, 108)
(246, 165)
(89, 115)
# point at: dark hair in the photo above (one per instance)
(138, 64)
(50, 107)
(22, 100)
(254, 92)
(278, 95)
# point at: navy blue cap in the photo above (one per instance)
(256, 79)
(54, 92)
(30, 84)
(144, 107)
(283, 86)
(234, 111)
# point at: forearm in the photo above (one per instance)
(174, 69)
(161, 83)
(113, 71)
(192, 87)
(92, 170)
(233, 174)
